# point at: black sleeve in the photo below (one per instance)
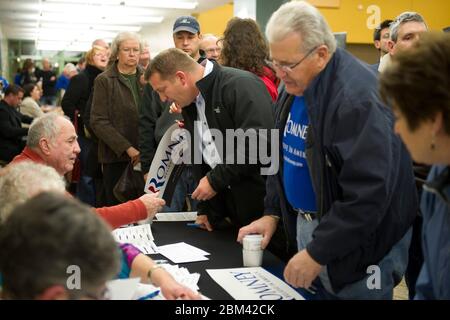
(7, 130)
(250, 107)
(148, 114)
(272, 198)
(86, 115)
(73, 96)
(26, 119)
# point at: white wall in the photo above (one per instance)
(158, 37)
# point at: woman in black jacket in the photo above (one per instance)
(74, 104)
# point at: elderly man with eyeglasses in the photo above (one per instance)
(345, 189)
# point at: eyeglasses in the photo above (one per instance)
(211, 50)
(289, 68)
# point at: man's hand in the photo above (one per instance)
(134, 155)
(202, 221)
(152, 203)
(204, 191)
(301, 270)
(265, 225)
(174, 108)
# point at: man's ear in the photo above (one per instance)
(377, 44)
(56, 292)
(182, 76)
(44, 145)
(391, 46)
(323, 54)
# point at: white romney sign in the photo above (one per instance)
(253, 284)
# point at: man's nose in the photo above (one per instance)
(77, 149)
(163, 97)
(280, 73)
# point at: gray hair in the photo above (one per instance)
(45, 236)
(302, 18)
(44, 126)
(121, 37)
(401, 19)
(23, 180)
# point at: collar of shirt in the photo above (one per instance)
(206, 143)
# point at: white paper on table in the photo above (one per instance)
(144, 289)
(183, 276)
(139, 236)
(182, 252)
(191, 248)
(122, 289)
(253, 284)
(176, 216)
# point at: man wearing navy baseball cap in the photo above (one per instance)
(186, 36)
(154, 118)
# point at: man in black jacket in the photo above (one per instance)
(12, 135)
(345, 187)
(155, 119)
(215, 100)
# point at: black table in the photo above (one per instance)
(221, 244)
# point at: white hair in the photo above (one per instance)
(402, 18)
(44, 126)
(302, 18)
(21, 181)
(121, 37)
(69, 67)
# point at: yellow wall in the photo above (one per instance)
(351, 16)
(215, 20)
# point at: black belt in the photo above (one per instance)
(308, 216)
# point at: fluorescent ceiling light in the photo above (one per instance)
(95, 10)
(167, 4)
(86, 26)
(54, 17)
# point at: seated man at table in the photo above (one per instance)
(11, 132)
(45, 241)
(52, 141)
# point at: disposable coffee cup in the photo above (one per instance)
(252, 242)
(252, 258)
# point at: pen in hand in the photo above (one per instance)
(150, 295)
(195, 225)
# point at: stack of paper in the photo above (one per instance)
(182, 252)
(183, 276)
(176, 216)
(140, 236)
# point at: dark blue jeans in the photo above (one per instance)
(86, 186)
(184, 188)
(392, 267)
